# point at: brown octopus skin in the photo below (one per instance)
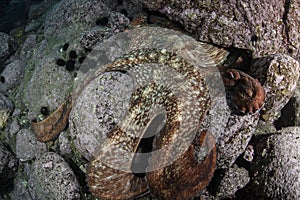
(163, 182)
(247, 94)
(50, 127)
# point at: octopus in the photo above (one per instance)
(167, 83)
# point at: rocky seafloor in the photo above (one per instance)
(46, 55)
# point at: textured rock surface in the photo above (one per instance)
(279, 76)
(38, 9)
(277, 173)
(28, 47)
(27, 147)
(20, 190)
(8, 166)
(52, 178)
(6, 107)
(235, 138)
(46, 83)
(74, 14)
(234, 179)
(64, 143)
(102, 104)
(4, 47)
(12, 75)
(241, 24)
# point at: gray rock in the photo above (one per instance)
(100, 107)
(8, 165)
(279, 76)
(52, 178)
(28, 47)
(77, 15)
(242, 24)
(38, 9)
(296, 105)
(129, 8)
(234, 179)
(4, 47)
(12, 75)
(64, 143)
(20, 190)
(116, 23)
(27, 147)
(232, 132)
(235, 138)
(14, 127)
(277, 170)
(6, 108)
(97, 34)
(292, 21)
(32, 26)
(49, 83)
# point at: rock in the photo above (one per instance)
(64, 143)
(8, 166)
(232, 132)
(129, 8)
(4, 47)
(28, 47)
(20, 190)
(32, 26)
(277, 167)
(234, 179)
(243, 24)
(95, 35)
(49, 83)
(77, 15)
(27, 147)
(14, 127)
(293, 24)
(235, 138)
(279, 76)
(52, 178)
(115, 23)
(12, 75)
(38, 9)
(100, 107)
(6, 108)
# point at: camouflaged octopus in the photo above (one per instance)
(174, 76)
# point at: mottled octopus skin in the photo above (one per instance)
(246, 93)
(182, 117)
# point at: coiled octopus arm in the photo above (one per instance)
(184, 102)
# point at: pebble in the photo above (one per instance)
(277, 170)
(4, 47)
(27, 147)
(52, 178)
(12, 75)
(234, 179)
(6, 108)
